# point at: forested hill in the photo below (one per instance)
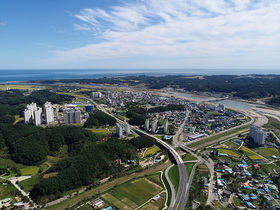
(13, 102)
(245, 86)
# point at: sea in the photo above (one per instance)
(13, 76)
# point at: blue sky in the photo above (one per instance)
(136, 34)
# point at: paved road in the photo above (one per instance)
(181, 198)
(175, 137)
(173, 193)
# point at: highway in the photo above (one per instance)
(181, 198)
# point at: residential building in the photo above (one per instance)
(38, 116)
(72, 115)
(258, 135)
(49, 113)
(127, 128)
(96, 95)
(119, 130)
(154, 126)
(165, 126)
(147, 124)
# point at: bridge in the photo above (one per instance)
(181, 198)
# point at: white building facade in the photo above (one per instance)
(258, 135)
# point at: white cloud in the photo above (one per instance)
(3, 23)
(194, 31)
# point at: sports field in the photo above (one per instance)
(130, 195)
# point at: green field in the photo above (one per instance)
(270, 167)
(152, 150)
(19, 87)
(203, 170)
(268, 152)
(131, 194)
(229, 152)
(6, 190)
(252, 155)
(174, 177)
(30, 170)
(272, 124)
(28, 184)
(231, 145)
(86, 207)
(102, 132)
(189, 167)
(188, 157)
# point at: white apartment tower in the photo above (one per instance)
(28, 113)
(258, 135)
(96, 95)
(154, 126)
(49, 113)
(38, 116)
(127, 128)
(119, 130)
(147, 124)
(165, 126)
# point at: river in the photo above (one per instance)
(228, 103)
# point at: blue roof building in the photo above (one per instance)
(266, 190)
(249, 204)
(253, 196)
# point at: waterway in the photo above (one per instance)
(228, 103)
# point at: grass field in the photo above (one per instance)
(131, 194)
(188, 157)
(252, 155)
(6, 190)
(28, 184)
(229, 152)
(30, 170)
(174, 177)
(86, 207)
(102, 132)
(268, 152)
(272, 123)
(231, 145)
(270, 167)
(152, 150)
(189, 167)
(19, 87)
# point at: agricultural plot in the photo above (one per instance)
(270, 167)
(132, 194)
(152, 150)
(229, 152)
(102, 132)
(30, 170)
(252, 155)
(268, 152)
(6, 189)
(231, 145)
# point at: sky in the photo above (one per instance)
(140, 34)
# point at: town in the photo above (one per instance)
(236, 162)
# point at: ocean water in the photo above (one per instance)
(27, 75)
